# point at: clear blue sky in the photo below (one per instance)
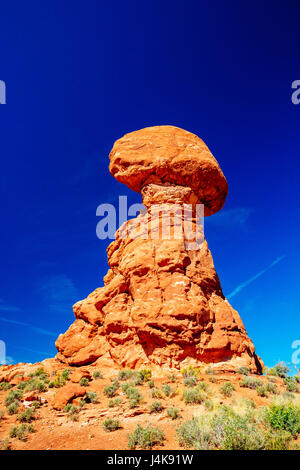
(81, 74)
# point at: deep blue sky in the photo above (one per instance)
(81, 74)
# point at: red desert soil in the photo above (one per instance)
(55, 430)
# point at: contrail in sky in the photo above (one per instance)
(33, 328)
(260, 273)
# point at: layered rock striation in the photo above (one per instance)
(162, 304)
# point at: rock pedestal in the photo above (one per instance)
(162, 304)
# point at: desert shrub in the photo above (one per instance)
(65, 374)
(172, 378)
(227, 389)
(156, 407)
(134, 396)
(193, 396)
(209, 405)
(27, 415)
(250, 382)
(30, 428)
(145, 374)
(290, 384)
(272, 388)
(151, 384)
(156, 393)
(72, 411)
(14, 395)
(210, 371)
(212, 380)
(262, 391)
(35, 385)
(225, 430)
(243, 371)
(249, 403)
(111, 390)
(173, 412)
(19, 432)
(234, 432)
(39, 373)
(84, 382)
(5, 386)
(5, 445)
(283, 416)
(190, 381)
(277, 440)
(21, 385)
(1, 414)
(36, 404)
(288, 396)
(168, 391)
(279, 370)
(272, 379)
(58, 382)
(13, 408)
(190, 371)
(146, 437)
(111, 424)
(97, 375)
(91, 397)
(125, 374)
(115, 402)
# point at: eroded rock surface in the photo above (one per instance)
(162, 304)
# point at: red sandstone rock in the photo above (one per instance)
(79, 374)
(162, 304)
(66, 394)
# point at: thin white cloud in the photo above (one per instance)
(59, 293)
(4, 307)
(231, 218)
(253, 278)
(27, 325)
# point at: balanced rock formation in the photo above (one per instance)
(162, 303)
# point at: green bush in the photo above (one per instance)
(14, 395)
(250, 382)
(172, 378)
(243, 371)
(209, 405)
(224, 430)
(84, 382)
(13, 407)
(111, 424)
(279, 370)
(156, 393)
(125, 374)
(146, 437)
(227, 389)
(291, 384)
(115, 402)
(5, 386)
(97, 375)
(272, 388)
(173, 412)
(72, 411)
(65, 374)
(111, 390)
(193, 396)
(168, 391)
(285, 417)
(278, 440)
(19, 432)
(151, 384)
(26, 416)
(190, 381)
(91, 397)
(156, 407)
(262, 391)
(134, 396)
